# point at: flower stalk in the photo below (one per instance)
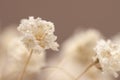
(25, 66)
(89, 66)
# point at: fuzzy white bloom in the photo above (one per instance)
(81, 44)
(8, 34)
(38, 32)
(108, 54)
(16, 57)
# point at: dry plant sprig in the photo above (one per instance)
(107, 56)
(38, 36)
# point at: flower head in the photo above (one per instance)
(108, 55)
(38, 33)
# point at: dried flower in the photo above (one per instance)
(108, 54)
(38, 33)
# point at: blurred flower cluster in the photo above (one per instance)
(23, 53)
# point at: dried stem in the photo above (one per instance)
(89, 66)
(25, 66)
(56, 67)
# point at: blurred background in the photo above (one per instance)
(68, 15)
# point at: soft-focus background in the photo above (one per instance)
(66, 14)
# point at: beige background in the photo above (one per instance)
(66, 14)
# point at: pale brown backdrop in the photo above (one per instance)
(66, 14)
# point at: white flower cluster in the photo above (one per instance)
(39, 34)
(108, 55)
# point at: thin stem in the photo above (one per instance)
(89, 66)
(56, 67)
(26, 65)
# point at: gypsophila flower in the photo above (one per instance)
(108, 54)
(38, 32)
